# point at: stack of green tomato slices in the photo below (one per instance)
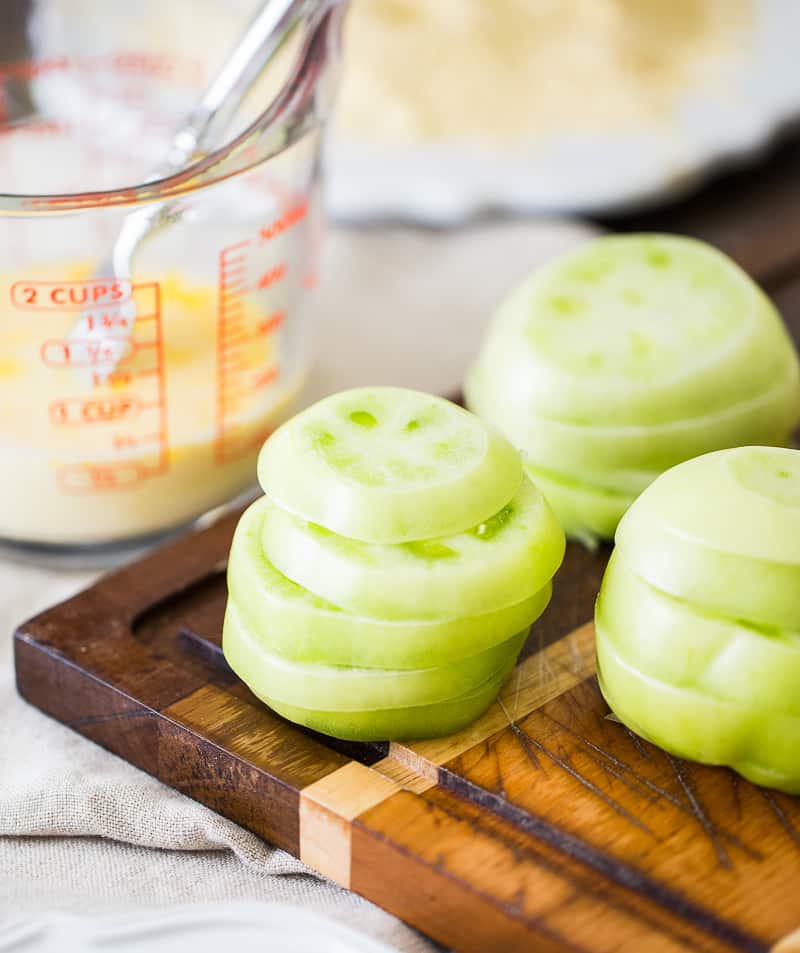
(384, 586)
(630, 355)
(698, 618)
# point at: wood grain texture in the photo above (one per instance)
(699, 840)
(546, 825)
(478, 883)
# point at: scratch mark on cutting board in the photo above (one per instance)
(737, 793)
(521, 737)
(499, 773)
(637, 743)
(779, 812)
(624, 769)
(681, 774)
(530, 742)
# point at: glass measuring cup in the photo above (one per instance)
(97, 451)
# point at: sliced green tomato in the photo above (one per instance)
(682, 645)
(293, 622)
(753, 590)
(340, 688)
(628, 458)
(586, 513)
(636, 329)
(744, 501)
(498, 563)
(387, 465)
(723, 531)
(393, 724)
(760, 744)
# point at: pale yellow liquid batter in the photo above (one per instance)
(170, 435)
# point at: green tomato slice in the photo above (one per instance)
(496, 564)
(682, 645)
(293, 622)
(627, 459)
(586, 513)
(756, 591)
(394, 724)
(342, 688)
(760, 744)
(760, 485)
(723, 531)
(387, 465)
(635, 329)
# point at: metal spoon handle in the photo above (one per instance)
(223, 95)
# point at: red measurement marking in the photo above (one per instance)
(150, 64)
(234, 364)
(271, 323)
(239, 382)
(234, 340)
(77, 411)
(83, 478)
(242, 389)
(272, 276)
(232, 263)
(79, 353)
(289, 218)
(265, 377)
(117, 410)
(163, 463)
(116, 379)
(130, 442)
(225, 256)
(40, 127)
(69, 295)
(235, 319)
(111, 322)
(235, 314)
(236, 336)
(235, 331)
(28, 69)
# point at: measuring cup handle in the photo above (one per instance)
(304, 99)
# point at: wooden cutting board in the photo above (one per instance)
(544, 826)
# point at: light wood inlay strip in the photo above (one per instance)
(326, 809)
(535, 682)
(407, 778)
(789, 944)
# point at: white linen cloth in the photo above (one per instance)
(82, 830)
